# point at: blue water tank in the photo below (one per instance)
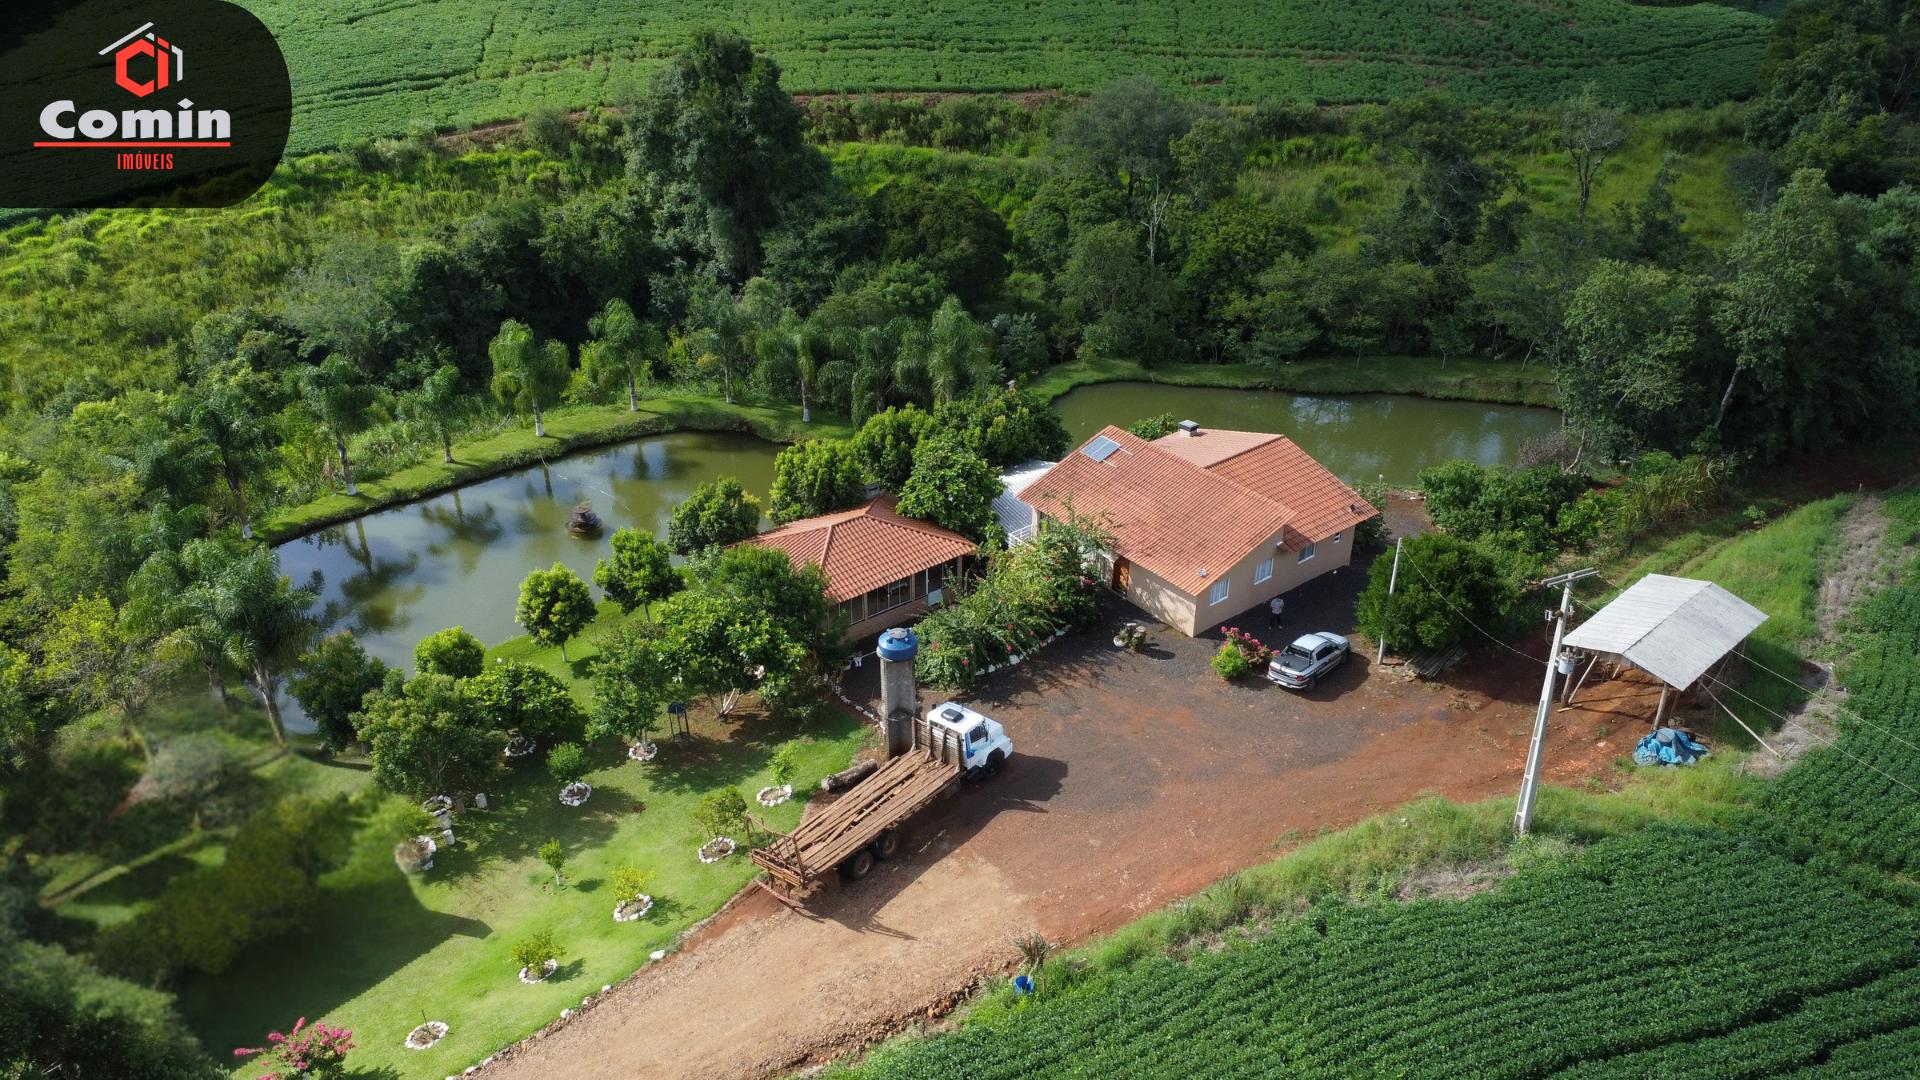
(898, 643)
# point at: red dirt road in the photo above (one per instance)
(1136, 780)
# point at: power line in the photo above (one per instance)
(1464, 617)
(1833, 745)
(1855, 714)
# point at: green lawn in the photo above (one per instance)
(386, 951)
(382, 951)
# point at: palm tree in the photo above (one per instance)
(228, 408)
(949, 355)
(436, 406)
(620, 349)
(526, 374)
(265, 621)
(801, 345)
(340, 403)
(728, 330)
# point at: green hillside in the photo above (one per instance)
(371, 67)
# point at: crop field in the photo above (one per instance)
(1861, 795)
(364, 68)
(1674, 952)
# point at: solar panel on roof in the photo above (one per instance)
(1100, 448)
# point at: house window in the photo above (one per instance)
(853, 611)
(900, 592)
(1218, 593)
(1306, 553)
(1263, 571)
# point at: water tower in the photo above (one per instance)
(899, 692)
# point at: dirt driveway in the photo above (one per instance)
(1137, 779)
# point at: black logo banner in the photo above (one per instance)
(138, 103)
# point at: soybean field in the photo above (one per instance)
(1677, 952)
(366, 68)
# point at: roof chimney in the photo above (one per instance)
(1189, 428)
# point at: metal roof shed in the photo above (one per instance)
(1673, 628)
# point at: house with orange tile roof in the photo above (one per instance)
(1206, 524)
(883, 569)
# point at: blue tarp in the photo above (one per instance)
(1665, 746)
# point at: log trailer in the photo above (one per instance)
(949, 743)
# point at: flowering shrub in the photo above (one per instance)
(319, 1052)
(1011, 609)
(1256, 651)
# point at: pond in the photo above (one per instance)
(395, 576)
(1358, 437)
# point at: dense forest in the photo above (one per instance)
(1732, 285)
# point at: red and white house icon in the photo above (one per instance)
(168, 61)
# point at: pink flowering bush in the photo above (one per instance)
(319, 1052)
(1256, 651)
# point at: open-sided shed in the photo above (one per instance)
(1675, 629)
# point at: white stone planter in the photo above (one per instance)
(575, 793)
(546, 969)
(634, 909)
(643, 752)
(775, 795)
(716, 849)
(437, 805)
(426, 1035)
(518, 747)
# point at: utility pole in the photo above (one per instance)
(1392, 580)
(1530, 783)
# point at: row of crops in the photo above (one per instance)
(1676, 952)
(1861, 795)
(370, 67)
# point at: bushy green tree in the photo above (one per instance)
(952, 486)
(1511, 507)
(332, 684)
(886, 442)
(1637, 358)
(1006, 426)
(718, 513)
(817, 476)
(1447, 586)
(631, 684)
(718, 150)
(453, 651)
(555, 605)
(640, 573)
(522, 698)
(266, 886)
(567, 762)
(427, 736)
(66, 1018)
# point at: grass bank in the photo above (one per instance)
(1464, 379)
(568, 430)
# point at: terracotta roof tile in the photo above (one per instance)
(1187, 508)
(1278, 469)
(866, 547)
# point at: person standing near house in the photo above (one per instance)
(1274, 607)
